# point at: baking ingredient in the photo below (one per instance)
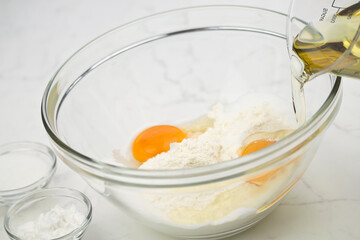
(55, 223)
(20, 169)
(191, 152)
(253, 147)
(217, 206)
(329, 45)
(155, 140)
(258, 141)
(227, 197)
(227, 132)
(222, 141)
(256, 145)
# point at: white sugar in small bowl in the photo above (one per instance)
(24, 168)
(25, 215)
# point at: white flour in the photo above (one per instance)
(55, 223)
(219, 206)
(222, 141)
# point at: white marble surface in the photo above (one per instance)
(37, 36)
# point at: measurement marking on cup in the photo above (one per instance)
(333, 10)
(323, 14)
(340, 4)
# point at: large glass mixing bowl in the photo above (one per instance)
(172, 67)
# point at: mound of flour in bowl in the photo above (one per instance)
(55, 223)
(225, 205)
(231, 125)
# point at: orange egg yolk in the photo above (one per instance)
(155, 140)
(253, 147)
(257, 145)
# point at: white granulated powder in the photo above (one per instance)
(20, 169)
(55, 223)
(222, 141)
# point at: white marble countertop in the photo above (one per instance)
(37, 36)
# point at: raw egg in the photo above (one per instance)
(155, 140)
(256, 145)
(253, 147)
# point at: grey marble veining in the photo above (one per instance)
(36, 37)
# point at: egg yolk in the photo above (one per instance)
(256, 145)
(253, 147)
(155, 140)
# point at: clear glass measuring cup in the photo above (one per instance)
(323, 36)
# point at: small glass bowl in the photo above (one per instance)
(32, 151)
(30, 207)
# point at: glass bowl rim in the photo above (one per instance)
(256, 157)
(41, 194)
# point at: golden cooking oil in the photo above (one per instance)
(325, 44)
